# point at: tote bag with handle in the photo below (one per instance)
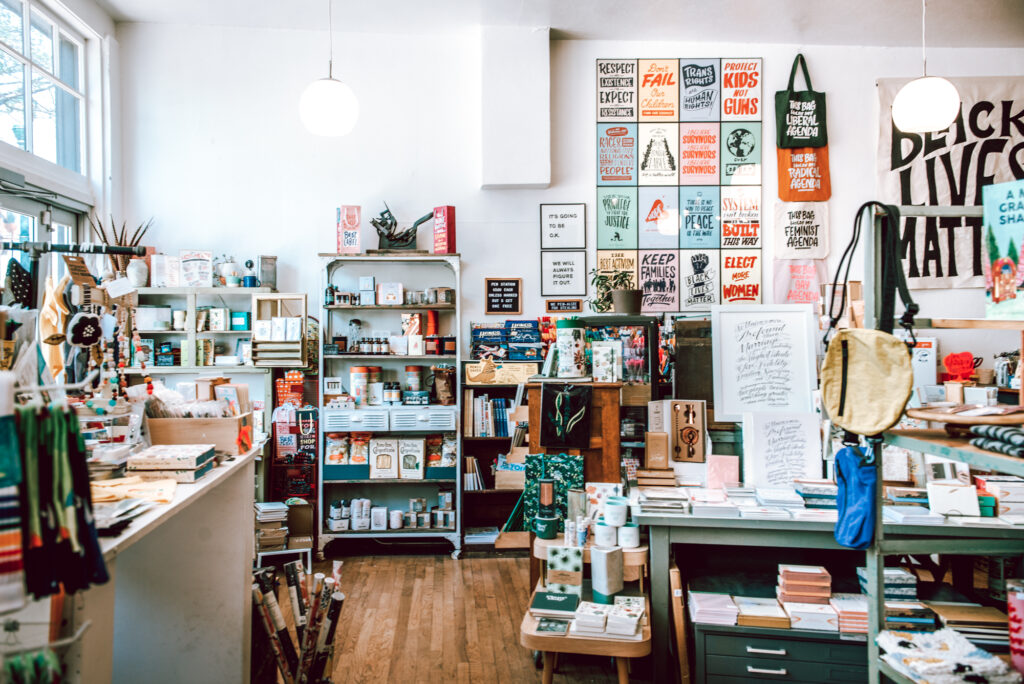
(800, 114)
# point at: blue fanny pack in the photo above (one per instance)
(857, 478)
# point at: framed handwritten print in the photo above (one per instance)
(763, 359)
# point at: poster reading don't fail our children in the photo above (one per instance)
(679, 167)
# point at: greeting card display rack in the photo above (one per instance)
(346, 482)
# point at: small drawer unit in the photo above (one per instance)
(728, 654)
(423, 419)
(356, 420)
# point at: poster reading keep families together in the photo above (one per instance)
(679, 178)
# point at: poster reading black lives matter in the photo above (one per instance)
(679, 164)
(949, 168)
(801, 230)
(700, 279)
(616, 90)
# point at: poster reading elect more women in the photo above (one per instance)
(679, 155)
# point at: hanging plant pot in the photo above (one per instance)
(627, 301)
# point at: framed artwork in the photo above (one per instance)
(563, 226)
(563, 273)
(763, 359)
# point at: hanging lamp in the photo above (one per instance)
(328, 107)
(926, 104)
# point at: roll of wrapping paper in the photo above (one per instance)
(309, 638)
(314, 630)
(336, 572)
(326, 644)
(266, 582)
(291, 574)
(275, 642)
(303, 586)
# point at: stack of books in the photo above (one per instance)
(760, 612)
(984, 626)
(820, 617)
(782, 497)
(106, 461)
(712, 609)
(548, 604)
(487, 417)
(649, 477)
(852, 610)
(765, 513)
(900, 584)
(818, 493)
(183, 463)
(672, 500)
(271, 532)
(804, 584)
(910, 496)
(712, 503)
(911, 515)
(909, 615)
(742, 497)
(590, 619)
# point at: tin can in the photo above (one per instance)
(358, 379)
(432, 345)
(423, 520)
(412, 378)
(375, 373)
(449, 347)
(396, 521)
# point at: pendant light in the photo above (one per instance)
(927, 104)
(328, 107)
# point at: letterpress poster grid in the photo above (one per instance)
(679, 178)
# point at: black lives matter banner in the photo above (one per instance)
(985, 145)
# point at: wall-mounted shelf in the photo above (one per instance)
(389, 357)
(179, 291)
(166, 370)
(396, 307)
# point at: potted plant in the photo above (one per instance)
(614, 289)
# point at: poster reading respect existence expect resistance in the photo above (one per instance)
(679, 150)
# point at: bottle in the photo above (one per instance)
(376, 346)
(385, 346)
(329, 296)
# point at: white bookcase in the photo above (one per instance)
(334, 482)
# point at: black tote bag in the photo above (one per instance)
(800, 114)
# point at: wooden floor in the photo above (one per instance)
(428, 618)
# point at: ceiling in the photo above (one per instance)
(952, 23)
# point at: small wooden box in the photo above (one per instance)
(221, 432)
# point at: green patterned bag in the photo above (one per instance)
(567, 472)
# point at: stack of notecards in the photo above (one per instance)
(590, 619)
(817, 616)
(712, 609)
(779, 496)
(852, 610)
(712, 503)
(911, 615)
(764, 513)
(760, 612)
(912, 515)
(900, 584)
(183, 463)
(818, 493)
(827, 515)
(625, 616)
(804, 584)
(553, 627)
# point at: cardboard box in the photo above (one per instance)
(221, 432)
(305, 542)
(277, 524)
(300, 520)
(656, 453)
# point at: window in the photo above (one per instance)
(21, 220)
(41, 84)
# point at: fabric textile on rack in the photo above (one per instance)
(12, 569)
(61, 546)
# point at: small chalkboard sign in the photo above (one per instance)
(504, 295)
(564, 305)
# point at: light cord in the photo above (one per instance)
(330, 37)
(924, 53)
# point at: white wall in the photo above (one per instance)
(213, 148)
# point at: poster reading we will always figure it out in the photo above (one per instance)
(679, 150)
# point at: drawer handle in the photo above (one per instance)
(424, 419)
(767, 651)
(357, 419)
(758, 670)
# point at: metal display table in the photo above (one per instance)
(666, 530)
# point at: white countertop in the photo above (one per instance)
(184, 496)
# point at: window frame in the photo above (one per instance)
(92, 186)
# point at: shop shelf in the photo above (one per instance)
(389, 357)
(391, 307)
(938, 443)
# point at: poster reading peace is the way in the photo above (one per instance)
(679, 156)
